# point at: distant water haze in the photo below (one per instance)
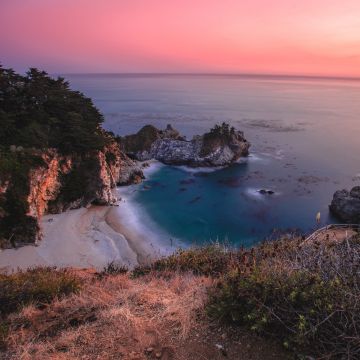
(305, 145)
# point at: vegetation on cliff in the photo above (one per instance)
(38, 113)
(14, 174)
(219, 135)
(41, 112)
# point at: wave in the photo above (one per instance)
(278, 155)
(250, 157)
(195, 170)
(153, 167)
(136, 218)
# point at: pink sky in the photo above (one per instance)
(319, 37)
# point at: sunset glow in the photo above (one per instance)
(315, 37)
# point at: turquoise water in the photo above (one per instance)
(305, 145)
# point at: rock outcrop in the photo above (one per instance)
(346, 205)
(219, 147)
(59, 183)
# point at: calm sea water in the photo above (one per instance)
(305, 136)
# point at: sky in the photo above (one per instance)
(304, 37)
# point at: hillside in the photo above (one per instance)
(284, 299)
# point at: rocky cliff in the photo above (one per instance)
(219, 147)
(57, 183)
(346, 205)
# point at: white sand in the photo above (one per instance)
(93, 237)
(84, 238)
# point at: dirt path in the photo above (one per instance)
(332, 235)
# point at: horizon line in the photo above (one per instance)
(254, 75)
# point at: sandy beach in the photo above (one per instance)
(93, 237)
(84, 238)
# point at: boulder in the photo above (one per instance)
(346, 205)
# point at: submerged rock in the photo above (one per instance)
(266, 192)
(219, 147)
(346, 205)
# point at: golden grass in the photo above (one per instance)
(112, 318)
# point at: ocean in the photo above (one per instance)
(305, 136)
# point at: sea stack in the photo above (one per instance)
(221, 146)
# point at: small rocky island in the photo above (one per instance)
(346, 205)
(221, 146)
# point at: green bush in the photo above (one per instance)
(15, 224)
(305, 295)
(219, 135)
(77, 184)
(210, 260)
(4, 330)
(37, 286)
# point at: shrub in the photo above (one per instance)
(307, 295)
(110, 158)
(38, 286)
(219, 135)
(210, 260)
(114, 269)
(4, 329)
(15, 224)
(78, 185)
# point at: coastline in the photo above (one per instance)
(91, 237)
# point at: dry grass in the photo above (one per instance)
(37, 286)
(110, 317)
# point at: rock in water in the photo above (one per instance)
(219, 147)
(266, 192)
(346, 205)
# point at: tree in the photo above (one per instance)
(39, 111)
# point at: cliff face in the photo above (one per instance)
(221, 146)
(44, 182)
(61, 183)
